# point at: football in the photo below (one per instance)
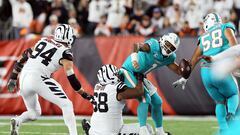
(185, 68)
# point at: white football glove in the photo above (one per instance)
(182, 81)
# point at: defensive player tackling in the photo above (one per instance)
(110, 94)
(36, 66)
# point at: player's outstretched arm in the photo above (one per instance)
(125, 92)
(76, 85)
(175, 68)
(17, 68)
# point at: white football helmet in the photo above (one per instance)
(108, 74)
(169, 43)
(210, 20)
(64, 33)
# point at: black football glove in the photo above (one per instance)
(88, 97)
(11, 85)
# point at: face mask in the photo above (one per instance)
(167, 48)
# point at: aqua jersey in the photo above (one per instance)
(214, 41)
(149, 61)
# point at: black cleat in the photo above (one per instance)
(86, 126)
(168, 133)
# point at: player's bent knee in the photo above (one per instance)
(156, 100)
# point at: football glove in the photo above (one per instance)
(88, 97)
(11, 85)
(181, 82)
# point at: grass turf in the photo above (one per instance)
(57, 127)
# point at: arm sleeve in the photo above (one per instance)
(20, 62)
(76, 85)
(231, 52)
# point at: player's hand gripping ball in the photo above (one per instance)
(185, 68)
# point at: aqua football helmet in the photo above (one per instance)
(169, 43)
(211, 20)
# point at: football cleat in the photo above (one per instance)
(14, 127)
(86, 126)
(168, 133)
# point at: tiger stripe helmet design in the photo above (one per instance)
(108, 74)
(210, 20)
(64, 33)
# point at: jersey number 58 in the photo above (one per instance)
(216, 40)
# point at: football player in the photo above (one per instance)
(110, 94)
(217, 38)
(147, 56)
(36, 66)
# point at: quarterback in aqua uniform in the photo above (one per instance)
(217, 38)
(146, 57)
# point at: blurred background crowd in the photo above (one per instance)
(27, 18)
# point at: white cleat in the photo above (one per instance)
(14, 127)
(144, 131)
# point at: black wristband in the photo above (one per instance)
(84, 95)
(13, 76)
(74, 82)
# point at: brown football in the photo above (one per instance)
(185, 68)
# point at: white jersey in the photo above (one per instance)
(107, 116)
(45, 57)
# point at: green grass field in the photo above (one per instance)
(57, 127)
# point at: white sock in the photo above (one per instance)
(69, 119)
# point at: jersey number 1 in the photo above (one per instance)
(47, 55)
